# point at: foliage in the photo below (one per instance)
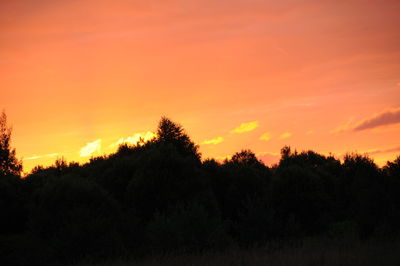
(76, 217)
(158, 196)
(186, 228)
(171, 132)
(9, 164)
(12, 201)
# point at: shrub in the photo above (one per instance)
(77, 218)
(188, 228)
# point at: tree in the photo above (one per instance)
(9, 164)
(365, 192)
(11, 196)
(77, 218)
(244, 157)
(173, 133)
(392, 169)
(300, 200)
(171, 177)
(244, 180)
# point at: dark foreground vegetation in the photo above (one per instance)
(307, 252)
(159, 197)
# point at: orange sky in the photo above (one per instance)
(78, 76)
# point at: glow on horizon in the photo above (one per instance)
(325, 72)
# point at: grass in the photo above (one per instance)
(309, 252)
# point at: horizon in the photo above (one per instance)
(81, 77)
(92, 151)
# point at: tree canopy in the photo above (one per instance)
(160, 196)
(9, 164)
(173, 133)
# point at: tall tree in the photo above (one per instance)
(171, 132)
(9, 164)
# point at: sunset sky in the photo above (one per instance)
(79, 77)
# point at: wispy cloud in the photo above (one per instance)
(90, 148)
(245, 127)
(310, 132)
(285, 135)
(386, 117)
(34, 157)
(135, 138)
(213, 141)
(344, 127)
(378, 151)
(266, 136)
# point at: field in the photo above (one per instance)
(310, 252)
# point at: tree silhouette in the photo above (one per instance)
(76, 218)
(173, 133)
(393, 168)
(245, 157)
(159, 196)
(9, 164)
(11, 194)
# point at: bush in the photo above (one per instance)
(300, 201)
(12, 207)
(77, 218)
(344, 230)
(24, 249)
(256, 224)
(188, 228)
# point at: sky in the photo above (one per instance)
(80, 77)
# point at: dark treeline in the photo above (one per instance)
(160, 196)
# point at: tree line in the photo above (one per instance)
(160, 196)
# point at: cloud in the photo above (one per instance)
(285, 135)
(389, 150)
(34, 157)
(91, 148)
(387, 117)
(344, 127)
(213, 141)
(266, 136)
(340, 129)
(245, 127)
(310, 132)
(135, 138)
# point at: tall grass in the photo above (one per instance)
(308, 252)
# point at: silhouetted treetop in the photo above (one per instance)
(308, 159)
(285, 152)
(359, 164)
(171, 132)
(245, 157)
(393, 168)
(9, 164)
